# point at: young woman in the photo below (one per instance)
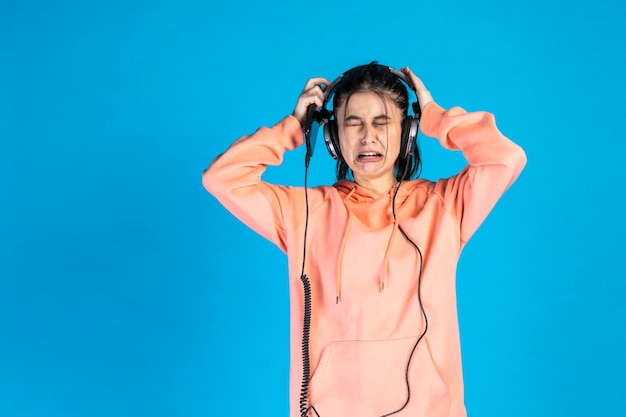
(374, 329)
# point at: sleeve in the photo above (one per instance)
(494, 163)
(234, 179)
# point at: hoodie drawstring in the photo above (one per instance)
(342, 248)
(386, 273)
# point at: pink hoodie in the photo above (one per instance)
(364, 274)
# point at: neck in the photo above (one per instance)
(378, 186)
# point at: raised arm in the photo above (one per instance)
(235, 177)
(494, 161)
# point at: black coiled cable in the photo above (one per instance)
(306, 325)
(306, 366)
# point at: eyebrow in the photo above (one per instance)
(382, 117)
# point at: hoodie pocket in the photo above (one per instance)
(368, 378)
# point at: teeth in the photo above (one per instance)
(370, 154)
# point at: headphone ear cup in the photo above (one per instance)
(331, 138)
(408, 140)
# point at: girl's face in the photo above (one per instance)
(369, 128)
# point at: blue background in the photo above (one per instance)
(127, 290)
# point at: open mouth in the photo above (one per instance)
(369, 156)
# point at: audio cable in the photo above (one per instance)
(306, 327)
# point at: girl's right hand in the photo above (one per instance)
(313, 93)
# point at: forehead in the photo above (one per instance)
(368, 103)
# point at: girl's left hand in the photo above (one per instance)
(423, 95)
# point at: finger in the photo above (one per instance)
(315, 97)
(314, 94)
(417, 82)
(317, 81)
(304, 101)
(423, 95)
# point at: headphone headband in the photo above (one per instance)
(324, 114)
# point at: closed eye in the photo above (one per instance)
(381, 120)
(352, 121)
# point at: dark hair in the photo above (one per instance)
(377, 79)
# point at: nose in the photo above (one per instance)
(369, 134)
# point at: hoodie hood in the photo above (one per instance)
(363, 195)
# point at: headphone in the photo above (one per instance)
(410, 124)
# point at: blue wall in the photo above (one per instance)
(127, 290)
